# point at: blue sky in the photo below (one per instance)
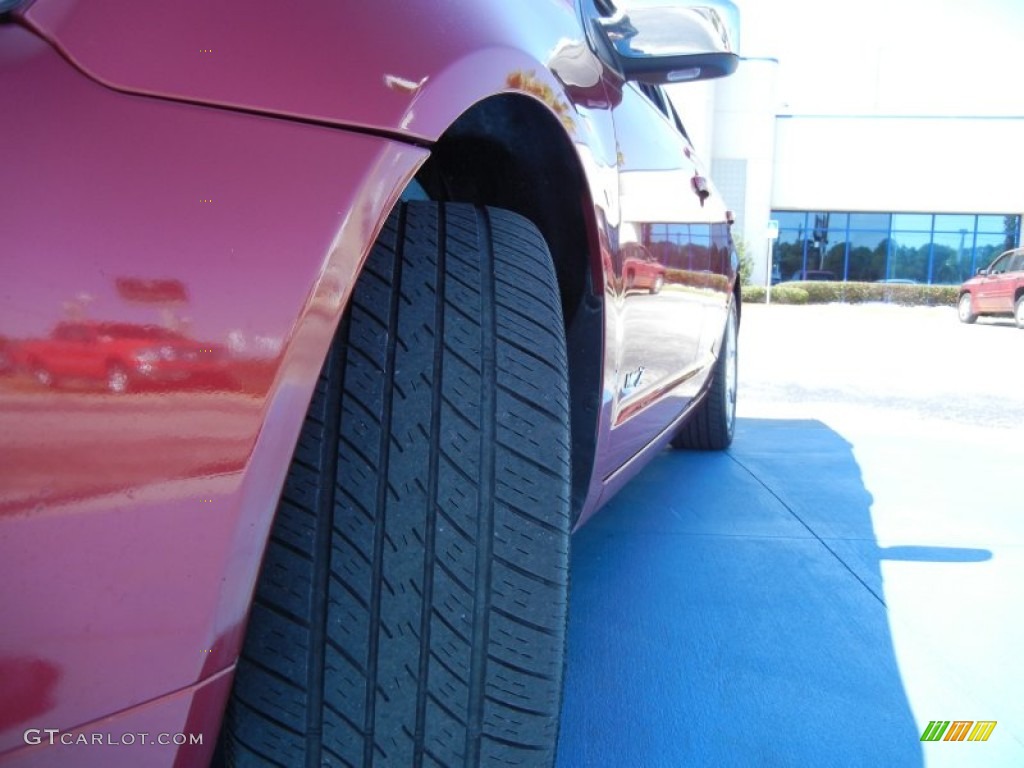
(946, 57)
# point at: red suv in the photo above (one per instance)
(998, 290)
(120, 357)
(641, 270)
(405, 226)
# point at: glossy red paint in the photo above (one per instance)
(642, 271)
(131, 524)
(120, 357)
(665, 342)
(133, 520)
(141, 736)
(398, 66)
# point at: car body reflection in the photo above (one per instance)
(121, 357)
(641, 270)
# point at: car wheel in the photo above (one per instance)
(659, 282)
(411, 607)
(1018, 311)
(712, 425)
(965, 309)
(117, 379)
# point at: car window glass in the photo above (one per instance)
(1017, 263)
(676, 119)
(999, 265)
(661, 100)
(654, 94)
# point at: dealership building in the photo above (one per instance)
(897, 197)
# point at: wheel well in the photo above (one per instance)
(510, 152)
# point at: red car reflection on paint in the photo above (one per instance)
(399, 230)
(642, 271)
(121, 357)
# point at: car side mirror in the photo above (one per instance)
(672, 42)
(982, 272)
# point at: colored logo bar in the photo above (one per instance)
(958, 730)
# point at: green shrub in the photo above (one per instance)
(822, 292)
(745, 259)
(697, 279)
(790, 294)
(752, 294)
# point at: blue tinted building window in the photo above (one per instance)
(941, 248)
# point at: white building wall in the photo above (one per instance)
(905, 164)
(731, 124)
(743, 151)
(760, 160)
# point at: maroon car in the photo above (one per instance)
(403, 228)
(120, 357)
(642, 271)
(998, 290)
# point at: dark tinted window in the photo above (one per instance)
(656, 97)
(1002, 264)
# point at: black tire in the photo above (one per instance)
(1018, 312)
(712, 424)
(965, 309)
(411, 608)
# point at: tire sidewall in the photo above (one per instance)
(965, 308)
(729, 370)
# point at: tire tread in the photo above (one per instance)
(413, 594)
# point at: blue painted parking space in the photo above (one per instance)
(851, 570)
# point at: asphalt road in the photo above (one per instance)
(852, 569)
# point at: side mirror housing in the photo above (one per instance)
(982, 272)
(672, 41)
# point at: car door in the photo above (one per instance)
(668, 269)
(1005, 290)
(68, 351)
(995, 293)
